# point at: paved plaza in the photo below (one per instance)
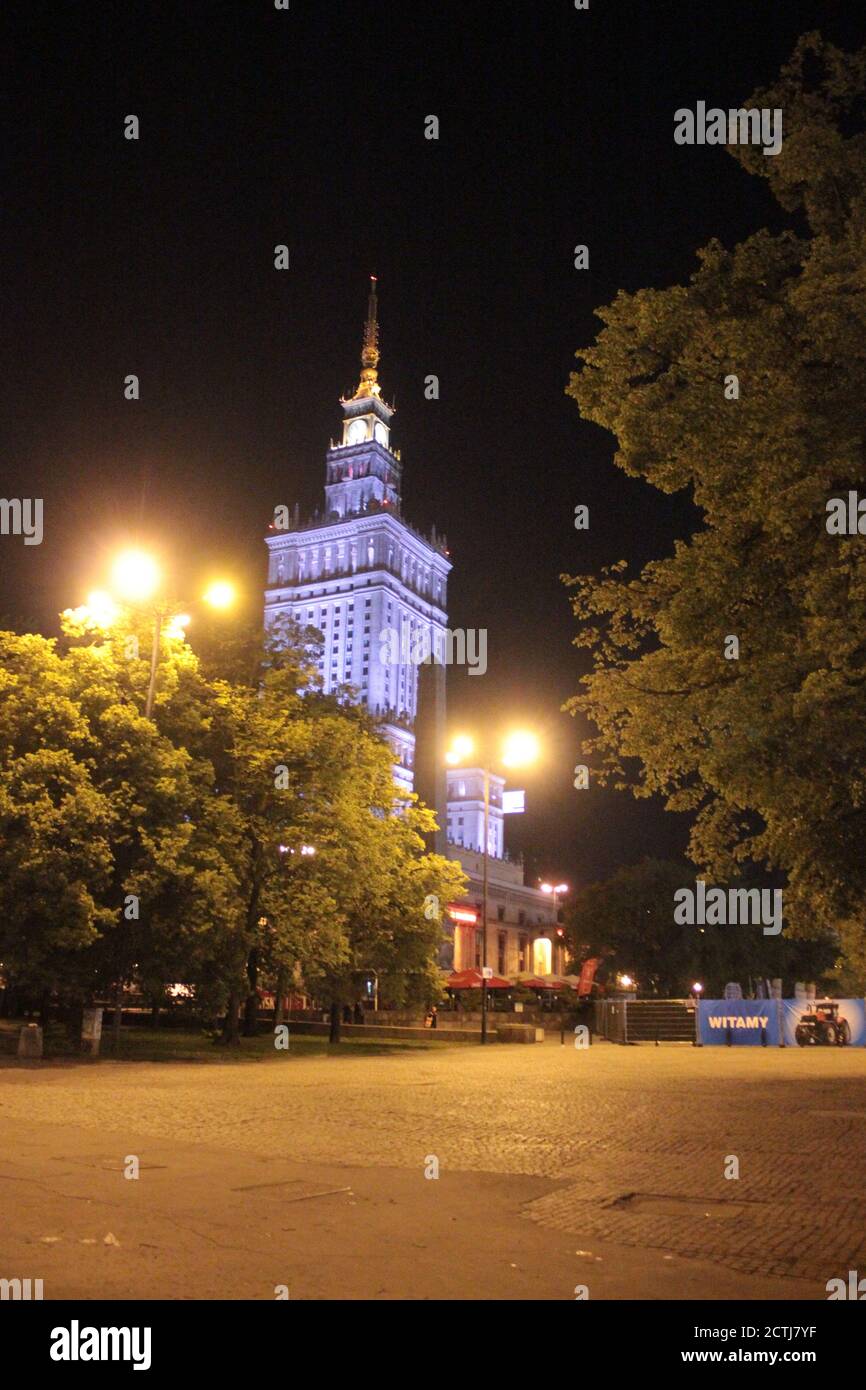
(558, 1168)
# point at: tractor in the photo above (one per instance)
(822, 1025)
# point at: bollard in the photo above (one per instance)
(30, 1041)
(91, 1031)
(763, 1037)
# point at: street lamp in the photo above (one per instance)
(557, 889)
(136, 575)
(220, 594)
(136, 578)
(697, 991)
(519, 749)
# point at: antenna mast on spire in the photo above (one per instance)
(369, 383)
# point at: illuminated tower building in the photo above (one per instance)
(357, 570)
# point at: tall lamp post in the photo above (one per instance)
(518, 750)
(557, 889)
(136, 578)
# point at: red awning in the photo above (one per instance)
(536, 982)
(472, 979)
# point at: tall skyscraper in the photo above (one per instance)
(375, 587)
(359, 572)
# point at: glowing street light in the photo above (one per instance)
(220, 594)
(177, 625)
(460, 751)
(101, 609)
(519, 749)
(136, 575)
(136, 578)
(556, 889)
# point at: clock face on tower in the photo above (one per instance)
(381, 432)
(357, 432)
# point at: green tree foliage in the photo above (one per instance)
(629, 922)
(768, 751)
(55, 824)
(174, 849)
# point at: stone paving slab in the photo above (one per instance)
(630, 1144)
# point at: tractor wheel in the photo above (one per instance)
(831, 1034)
(803, 1036)
(844, 1035)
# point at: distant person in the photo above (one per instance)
(359, 1013)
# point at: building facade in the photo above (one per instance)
(377, 590)
(522, 931)
(357, 570)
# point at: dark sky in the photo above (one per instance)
(306, 127)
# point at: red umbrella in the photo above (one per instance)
(535, 982)
(473, 979)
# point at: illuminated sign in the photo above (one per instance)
(461, 914)
(513, 803)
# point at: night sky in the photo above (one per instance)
(261, 127)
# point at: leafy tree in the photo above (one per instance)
(175, 848)
(55, 824)
(767, 751)
(170, 878)
(375, 866)
(629, 922)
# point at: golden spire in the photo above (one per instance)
(369, 383)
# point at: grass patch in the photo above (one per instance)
(177, 1045)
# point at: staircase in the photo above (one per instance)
(659, 1020)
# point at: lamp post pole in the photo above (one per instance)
(154, 662)
(484, 910)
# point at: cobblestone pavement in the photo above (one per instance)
(632, 1143)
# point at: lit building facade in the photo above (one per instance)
(522, 931)
(357, 570)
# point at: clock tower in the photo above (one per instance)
(358, 571)
(363, 470)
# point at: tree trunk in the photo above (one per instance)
(336, 1020)
(117, 1020)
(251, 1004)
(154, 1013)
(74, 1018)
(231, 1035)
(281, 985)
